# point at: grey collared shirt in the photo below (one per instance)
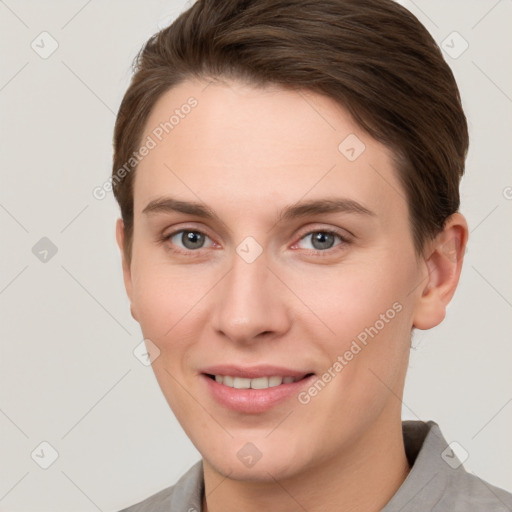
(437, 482)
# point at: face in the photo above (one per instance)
(272, 239)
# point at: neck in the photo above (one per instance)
(363, 478)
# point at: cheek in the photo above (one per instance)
(368, 311)
(153, 302)
(168, 299)
(167, 303)
(349, 299)
(374, 341)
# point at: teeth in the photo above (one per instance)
(260, 383)
(274, 381)
(241, 383)
(257, 383)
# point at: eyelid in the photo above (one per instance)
(166, 239)
(175, 230)
(344, 241)
(344, 234)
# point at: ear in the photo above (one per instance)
(444, 265)
(127, 275)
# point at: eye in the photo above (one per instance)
(321, 240)
(189, 240)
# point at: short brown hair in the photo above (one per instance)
(373, 57)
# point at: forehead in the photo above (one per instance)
(261, 146)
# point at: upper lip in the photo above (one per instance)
(253, 372)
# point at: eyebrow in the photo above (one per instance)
(298, 210)
(169, 205)
(320, 206)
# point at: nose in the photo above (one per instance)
(251, 303)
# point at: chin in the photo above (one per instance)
(253, 461)
(261, 471)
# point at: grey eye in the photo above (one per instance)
(189, 239)
(321, 240)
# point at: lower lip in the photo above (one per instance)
(253, 401)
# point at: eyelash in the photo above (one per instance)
(321, 253)
(344, 241)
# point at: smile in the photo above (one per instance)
(256, 383)
(253, 394)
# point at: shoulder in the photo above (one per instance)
(185, 494)
(438, 480)
(159, 501)
(467, 492)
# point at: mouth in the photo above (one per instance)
(235, 382)
(256, 390)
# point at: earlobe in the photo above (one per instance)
(127, 277)
(120, 241)
(443, 268)
(133, 313)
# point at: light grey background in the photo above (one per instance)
(68, 375)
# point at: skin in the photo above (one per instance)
(248, 153)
